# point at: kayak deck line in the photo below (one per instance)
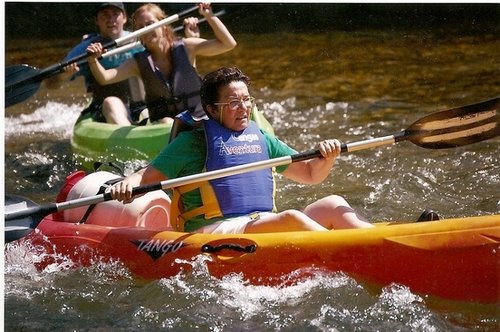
(445, 240)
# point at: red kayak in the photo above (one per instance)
(457, 259)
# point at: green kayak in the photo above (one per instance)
(92, 141)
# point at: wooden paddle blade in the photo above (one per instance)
(457, 127)
(19, 85)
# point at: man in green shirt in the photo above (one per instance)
(238, 204)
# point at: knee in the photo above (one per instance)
(111, 104)
(291, 215)
(333, 201)
(299, 221)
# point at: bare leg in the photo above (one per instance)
(136, 86)
(115, 111)
(286, 221)
(333, 212)
(166, 120)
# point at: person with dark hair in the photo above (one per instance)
(167, 66)
(241, 203)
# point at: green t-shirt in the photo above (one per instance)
(186, 155)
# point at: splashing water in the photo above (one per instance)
(359, 91)
(54, 118)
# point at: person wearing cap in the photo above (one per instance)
(120, 103)
(167, 66)
(240, 203)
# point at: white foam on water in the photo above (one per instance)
(28, 274)
(254, 300)
(53, 118)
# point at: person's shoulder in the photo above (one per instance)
(180, 41)
(197, 134)
(179, 44)
(190, 137)
(269, 137)
(277, 147)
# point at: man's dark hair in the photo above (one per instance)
(216, 79)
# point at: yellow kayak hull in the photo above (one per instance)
(455, 259)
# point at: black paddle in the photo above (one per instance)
(446, 129)
(22, 81)
(21, 227)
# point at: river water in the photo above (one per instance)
(351, 86)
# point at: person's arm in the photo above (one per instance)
(108, 76)
(122, 191)
(314, 171)
(222, 43)
(71, 71)
(56, 81)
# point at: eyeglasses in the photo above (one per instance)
(234, 104)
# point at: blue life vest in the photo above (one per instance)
(242, 193)
(232, 195)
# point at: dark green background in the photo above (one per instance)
(54, 20)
